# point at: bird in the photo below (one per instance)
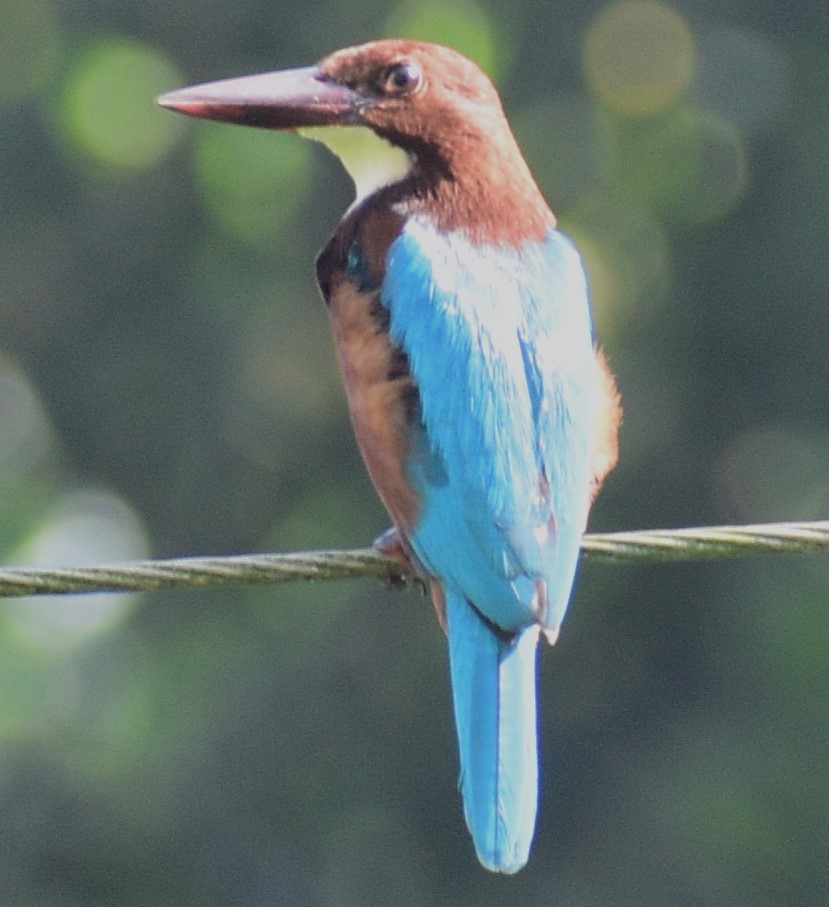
(486, 414)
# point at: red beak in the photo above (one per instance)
(289, 99)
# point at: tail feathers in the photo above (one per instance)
(493, 685)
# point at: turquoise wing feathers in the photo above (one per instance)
(499, 343)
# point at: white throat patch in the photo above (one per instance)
(371, 162)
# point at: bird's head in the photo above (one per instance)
(387, 109)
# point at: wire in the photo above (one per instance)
(658, 545)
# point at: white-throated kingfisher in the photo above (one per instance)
(485, 414)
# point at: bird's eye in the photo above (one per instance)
(402, 78)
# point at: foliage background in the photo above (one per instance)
(167, 387)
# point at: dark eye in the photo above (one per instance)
(403, 78)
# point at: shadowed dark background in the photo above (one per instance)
(168, 387)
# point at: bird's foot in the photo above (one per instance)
(391, 545)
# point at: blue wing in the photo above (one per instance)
(499, 343)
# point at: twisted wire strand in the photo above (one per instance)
(653, 545)
(710, 542)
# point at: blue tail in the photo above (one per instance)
(493, 685)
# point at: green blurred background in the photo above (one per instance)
(168, 387)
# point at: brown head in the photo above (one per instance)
(437, 110)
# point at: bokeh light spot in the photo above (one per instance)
(627, 256)
(83, 528)
(741, 77)
(560, 141)
(721, 173)
(775, 472)
(461, 24)
(253, 182)
(639, 57)
(108, 110)
(29, 47)
(688, 165)
(26, 439)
